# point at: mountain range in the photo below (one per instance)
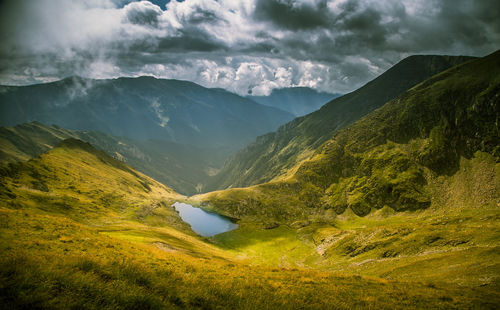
(175, 131)
(142, 108)
(385, 198)
(410, 191)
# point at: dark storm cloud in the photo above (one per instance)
(488, 12)
(191, 39)
(471, 23)
(292, 14)
(456, 27)
(363, 26)
(240, 45)
(366, 27)
(353, 29)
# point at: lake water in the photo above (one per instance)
(202, 222)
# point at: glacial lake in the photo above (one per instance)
(203, 223)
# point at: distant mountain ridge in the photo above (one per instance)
(142, 108)
(274, 154)
(297, 100)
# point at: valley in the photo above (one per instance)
(73, 246)
(183, 167)
(177, 132)
(387, 197)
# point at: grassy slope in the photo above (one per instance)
(77, 180)
(182, 167)
(390, 157)
(24, 142)
(411, 191)
(79, 229)
(454, 242)
(275, 154)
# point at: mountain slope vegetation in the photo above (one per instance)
(184, 168)
(79, 229)
(74, 177)
(273, 155)
(142, 108)
(392, 156)
(410, 191)
(297, 100)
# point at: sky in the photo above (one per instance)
(244, 46)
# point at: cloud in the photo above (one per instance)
(292, 14)
(190, 39)
(245, 46)
(143, 13)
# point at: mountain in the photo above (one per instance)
(408, 192)
(399, 156)
(182, 167)
(297, 100)
(274, 154)
(76, 224)
(79, 181)
(142, 108)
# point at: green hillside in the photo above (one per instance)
(274, 154)
(411, 191)
(182, 167)
(76, 180)
(393, 156)
(79, 229)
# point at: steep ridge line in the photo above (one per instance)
(388, 158)
(274, 154)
